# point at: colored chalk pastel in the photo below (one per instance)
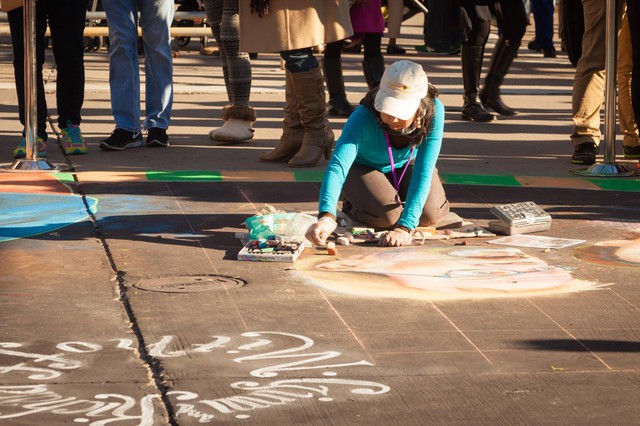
(331, 249)
(344, 241)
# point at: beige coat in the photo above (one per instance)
(294, 24)
(8, 5)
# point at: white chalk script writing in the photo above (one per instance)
(19, 401)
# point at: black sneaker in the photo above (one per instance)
(631, 151)
(549, 52)
(120, 140)
(585, 153)
(157, 137)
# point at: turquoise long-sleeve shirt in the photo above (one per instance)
(362, 141)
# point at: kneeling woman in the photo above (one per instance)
(384, 162)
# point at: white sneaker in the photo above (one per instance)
(233, 130)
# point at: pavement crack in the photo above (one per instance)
(153, 365)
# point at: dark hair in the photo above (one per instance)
(429, 107)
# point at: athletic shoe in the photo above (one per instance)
(21, 150)
(72, 141)
(631, 151)
(120, 140)
(585, 153)
(157, 138)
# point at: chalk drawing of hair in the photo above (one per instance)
(625, 253)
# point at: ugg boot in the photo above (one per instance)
(339, 105)
(308, 89)
(373, 69)
(237, 124)
(472, 109)
(505, 52)
(292, 130)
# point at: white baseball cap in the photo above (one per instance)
(403, 85)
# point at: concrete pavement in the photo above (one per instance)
(122, 302)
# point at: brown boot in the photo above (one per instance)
(292, 130)
(318, 137)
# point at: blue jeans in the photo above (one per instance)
(124, 77)
(299, 60)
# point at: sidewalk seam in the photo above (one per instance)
(153, 365)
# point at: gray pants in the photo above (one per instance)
(369, 197)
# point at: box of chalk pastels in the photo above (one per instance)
(271, 250)
(519, 218)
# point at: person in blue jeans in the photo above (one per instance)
(66, 19)
(124, 78)
(543, 11)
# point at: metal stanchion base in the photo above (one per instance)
(24, 165)
(606, 170)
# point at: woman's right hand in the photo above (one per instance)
(321, 230)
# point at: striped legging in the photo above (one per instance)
(236, 67)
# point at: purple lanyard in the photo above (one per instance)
(396, 181)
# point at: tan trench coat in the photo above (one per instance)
(293, 24)
(8, 5)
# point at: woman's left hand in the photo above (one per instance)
(395, 238)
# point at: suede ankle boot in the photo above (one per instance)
(237, 125)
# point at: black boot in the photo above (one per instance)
(339, 105)
(472, 109)
(373, 69)
(505, 52)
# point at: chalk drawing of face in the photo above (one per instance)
(624, 253)
(441, 273)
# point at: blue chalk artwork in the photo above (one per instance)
(27, 214)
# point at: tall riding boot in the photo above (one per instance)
(472, 109)
(292, 130)
(505, 52)
(339, 105)
(373, 69)
(308, 88)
